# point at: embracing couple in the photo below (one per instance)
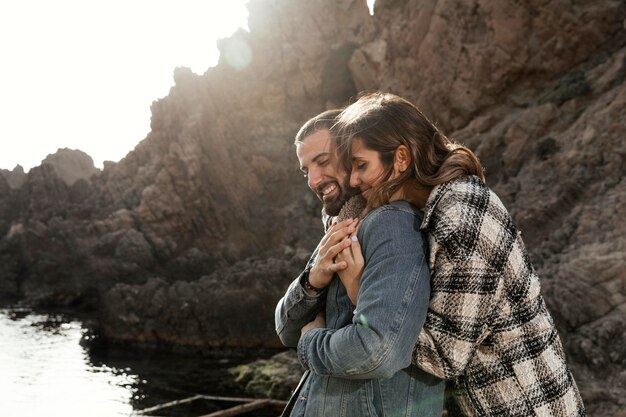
(421, 277)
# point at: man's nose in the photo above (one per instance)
(314, 179)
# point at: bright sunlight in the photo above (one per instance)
(83, 74)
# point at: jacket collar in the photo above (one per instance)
(438, 191)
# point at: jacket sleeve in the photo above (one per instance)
(391, 305)
(295, 309)
(471, 248)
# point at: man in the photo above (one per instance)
(359, 357)
(316, 153)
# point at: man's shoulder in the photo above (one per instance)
(393, 227)
(395, 208)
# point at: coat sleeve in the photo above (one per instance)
(391, 305)
(472, 239)
(295, 309)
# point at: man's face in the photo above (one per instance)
(325, 176)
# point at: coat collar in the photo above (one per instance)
(439, 190)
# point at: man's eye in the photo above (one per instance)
(323, 162)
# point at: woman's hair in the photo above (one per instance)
(383, 122)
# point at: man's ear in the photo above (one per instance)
(402, 159)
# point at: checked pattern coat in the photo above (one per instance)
(487, 327)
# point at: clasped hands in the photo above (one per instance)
(340, 252)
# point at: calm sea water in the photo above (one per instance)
(50, 366)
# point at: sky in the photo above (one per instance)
(82, 74)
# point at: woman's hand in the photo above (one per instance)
(318, 322)
(351, 275)
(334, 241)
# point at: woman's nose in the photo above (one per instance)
(354, 180)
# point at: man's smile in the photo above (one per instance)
(328, 190)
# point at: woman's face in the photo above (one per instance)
(367, 168)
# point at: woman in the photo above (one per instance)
(487, 326)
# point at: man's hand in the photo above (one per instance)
(334, 241)
(318, 322)
(351, 275)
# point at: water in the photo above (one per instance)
(49, 366)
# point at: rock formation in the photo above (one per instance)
(14, 178)
(71, 165)
(270, 378)
(194, 235)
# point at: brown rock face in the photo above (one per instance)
(456, 59)
(192, 238)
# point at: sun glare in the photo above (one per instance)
(83, 75)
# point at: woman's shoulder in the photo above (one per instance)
(463, 200)
(465, 191)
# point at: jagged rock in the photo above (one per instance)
(71, 165)
(5, 201)
(14, 178)
(194, 313)
(9, 268)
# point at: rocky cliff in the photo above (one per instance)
(14, 178)
(193, 237)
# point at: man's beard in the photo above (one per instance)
(332, 207)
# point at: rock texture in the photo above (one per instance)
(194, 235)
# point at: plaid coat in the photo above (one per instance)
(487, 327)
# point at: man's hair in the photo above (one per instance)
(323, 121)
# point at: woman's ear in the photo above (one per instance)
(402, 159)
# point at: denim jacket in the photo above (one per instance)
(361, 362)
